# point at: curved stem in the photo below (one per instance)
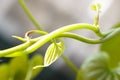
(80, 38)
(30, 15)
(106, 37)
(13, 49)
(58, 32)
(26, 45)
(70, 64)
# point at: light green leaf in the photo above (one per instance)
(112, 47)
(97, 68)
(36, 60)
(4, 72)
(53, 52)
(18, 67)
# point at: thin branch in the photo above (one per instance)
(70, 64)
(34, 21)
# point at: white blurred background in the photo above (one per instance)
(52, 14)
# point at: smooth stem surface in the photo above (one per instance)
(105, 37)
(80, 38)
(34, 21)
(14, 49)
(70, 64)
(102, 39)
(27, 44)
(58, 32)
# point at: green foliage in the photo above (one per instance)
(36, 60)
(19, 68)
(4, 72)
(53, 52)
(112, 47)
(102, 66)
(97, 67)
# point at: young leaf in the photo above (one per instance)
(18, 67)
(53, 52)
(97, 68)
(32, 73)
(112, 47)
(36, 60)
(4, 72)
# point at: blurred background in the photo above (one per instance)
(53, 14)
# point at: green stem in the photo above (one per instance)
(80, 38)
(70, 64)
(14, 49)
(106, 37)
(26, 45)
(58, 32)
(22, 3)
(102, 39)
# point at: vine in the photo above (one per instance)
(56, 49)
